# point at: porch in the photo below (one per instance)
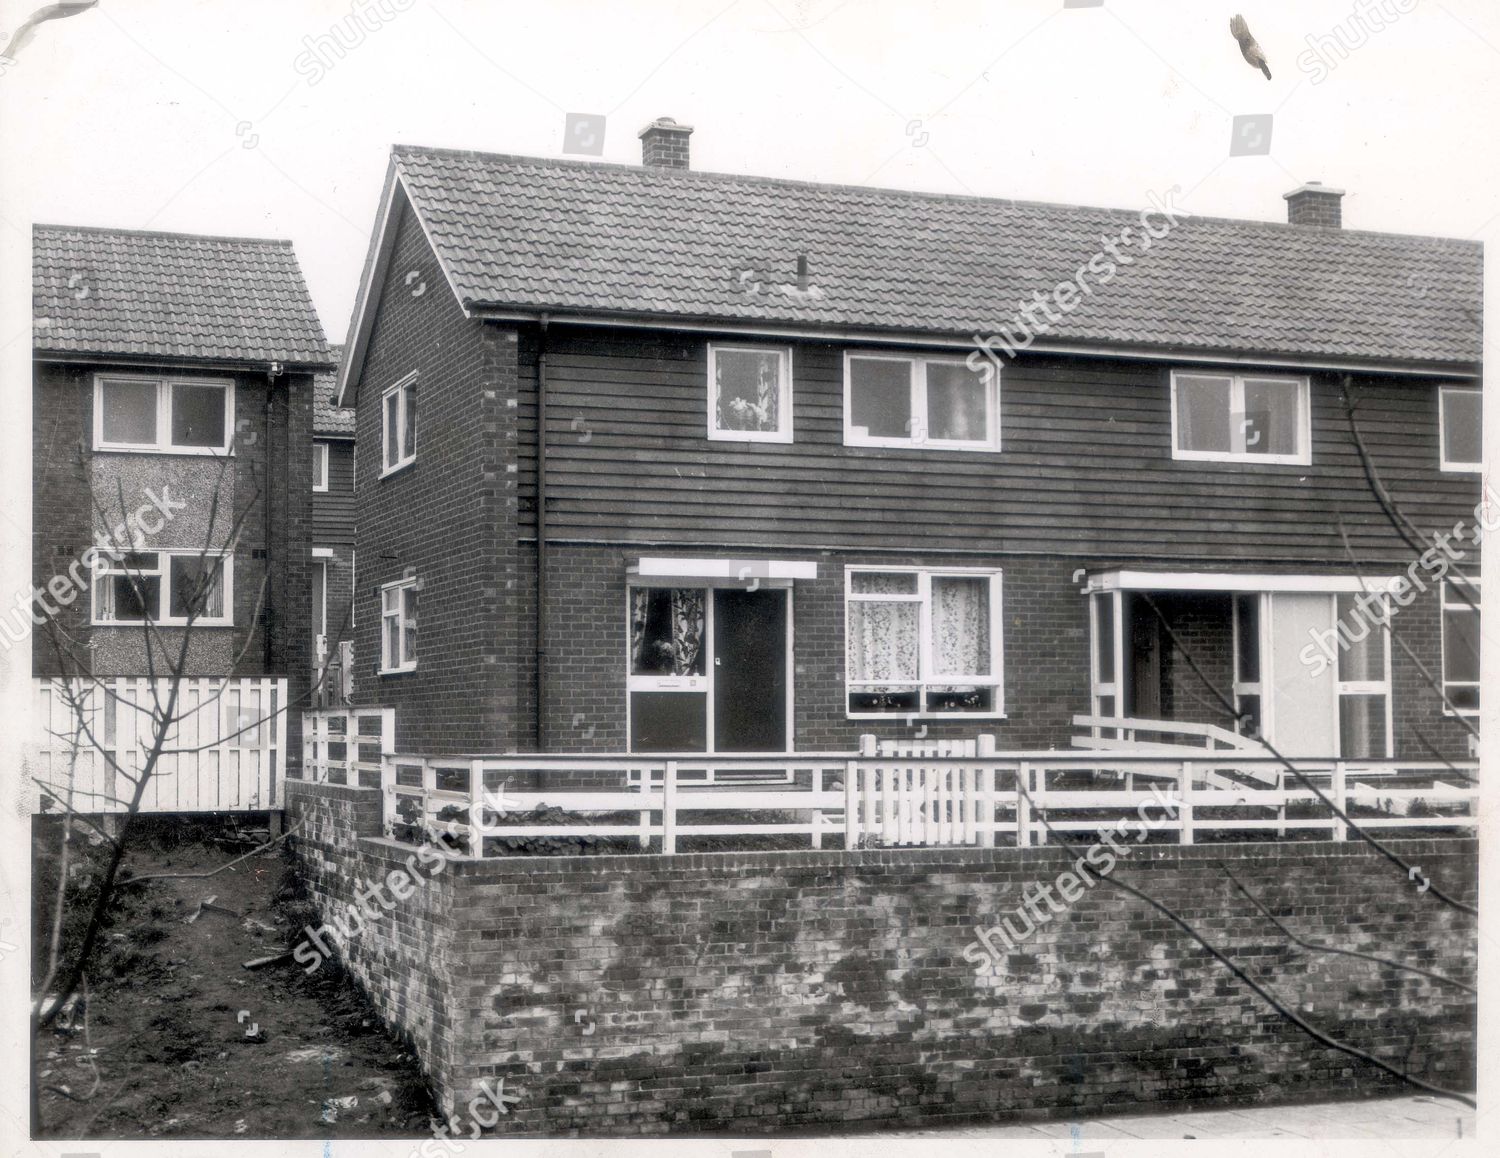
(1191, 784)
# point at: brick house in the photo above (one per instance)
(332, 540)
(172, 403)
(719, 463)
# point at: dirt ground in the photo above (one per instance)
(189, 1044)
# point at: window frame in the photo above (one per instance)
(407, 663)
(320, 466)
(1459, 606)
(163, 444)
(400, 388)
(917, 385)
(784, 361)
(163, 570)
(926, 678)
(1445, 464)
(1303, 457)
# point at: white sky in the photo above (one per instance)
(133, 114)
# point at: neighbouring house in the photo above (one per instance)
(332, 542)
(661, 460)
(173, 403)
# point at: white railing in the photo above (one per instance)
(225, 750)
(872, 799)
(347, 745)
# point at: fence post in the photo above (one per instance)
(984, 748)
(1185, 809)
(867, 744)
(817, 816)
(1023, 805)
(645, 814)
(669, 809)
(851, 804)
(388, 797)
(1341, 798)
(476, 806)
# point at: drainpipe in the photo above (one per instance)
(541, 536)
(273, 371)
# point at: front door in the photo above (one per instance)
(708, 669)
(749, 666)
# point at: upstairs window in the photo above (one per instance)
(320, 466)
(749, 394)
(923, 643)
(165, 587)
(922, 402)
(1461, 646)
(398, 626)
(1240, 418)
(175, 415)
(398, 426)
(1459, 415)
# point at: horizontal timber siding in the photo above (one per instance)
(1085, 469)
(333, 510)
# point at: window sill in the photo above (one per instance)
(165, 451)
(902, 717)
(211, 624)
(750, 436)
(395, 671)
(1461, 467)
(925, 447)
(1241, 459)
(398, 468)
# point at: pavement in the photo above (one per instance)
(1386, 1118)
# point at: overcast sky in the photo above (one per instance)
(206, 116)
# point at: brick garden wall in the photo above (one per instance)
(758, 991)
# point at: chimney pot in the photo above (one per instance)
(1315, 204)
(664, 144)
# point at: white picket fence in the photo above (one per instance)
(225, 751)
(885, 797)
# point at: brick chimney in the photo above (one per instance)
(1315, 204)
(664, 144)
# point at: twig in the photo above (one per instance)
(1313, 945)
(228, 864)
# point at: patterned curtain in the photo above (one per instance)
(960, 626)
(640, 601)
(883, 641)
(687, 629)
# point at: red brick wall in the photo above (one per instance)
(449, 517)
(749, 992)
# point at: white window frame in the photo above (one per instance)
(320, 465)
(1381, 687)
(1303, 457)
(784, 363)
(402, 389)
(917, 370)
(1444, 463)
(163, 443)
(404, 662)
(1456, 604)
(163, 569)
(926, 678)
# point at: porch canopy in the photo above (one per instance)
(1230, 581)
(743, 570)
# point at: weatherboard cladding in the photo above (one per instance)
(530, 234)
(136, 294)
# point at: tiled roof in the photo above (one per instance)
(529, 233)
(328, 418)
(171, 295)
